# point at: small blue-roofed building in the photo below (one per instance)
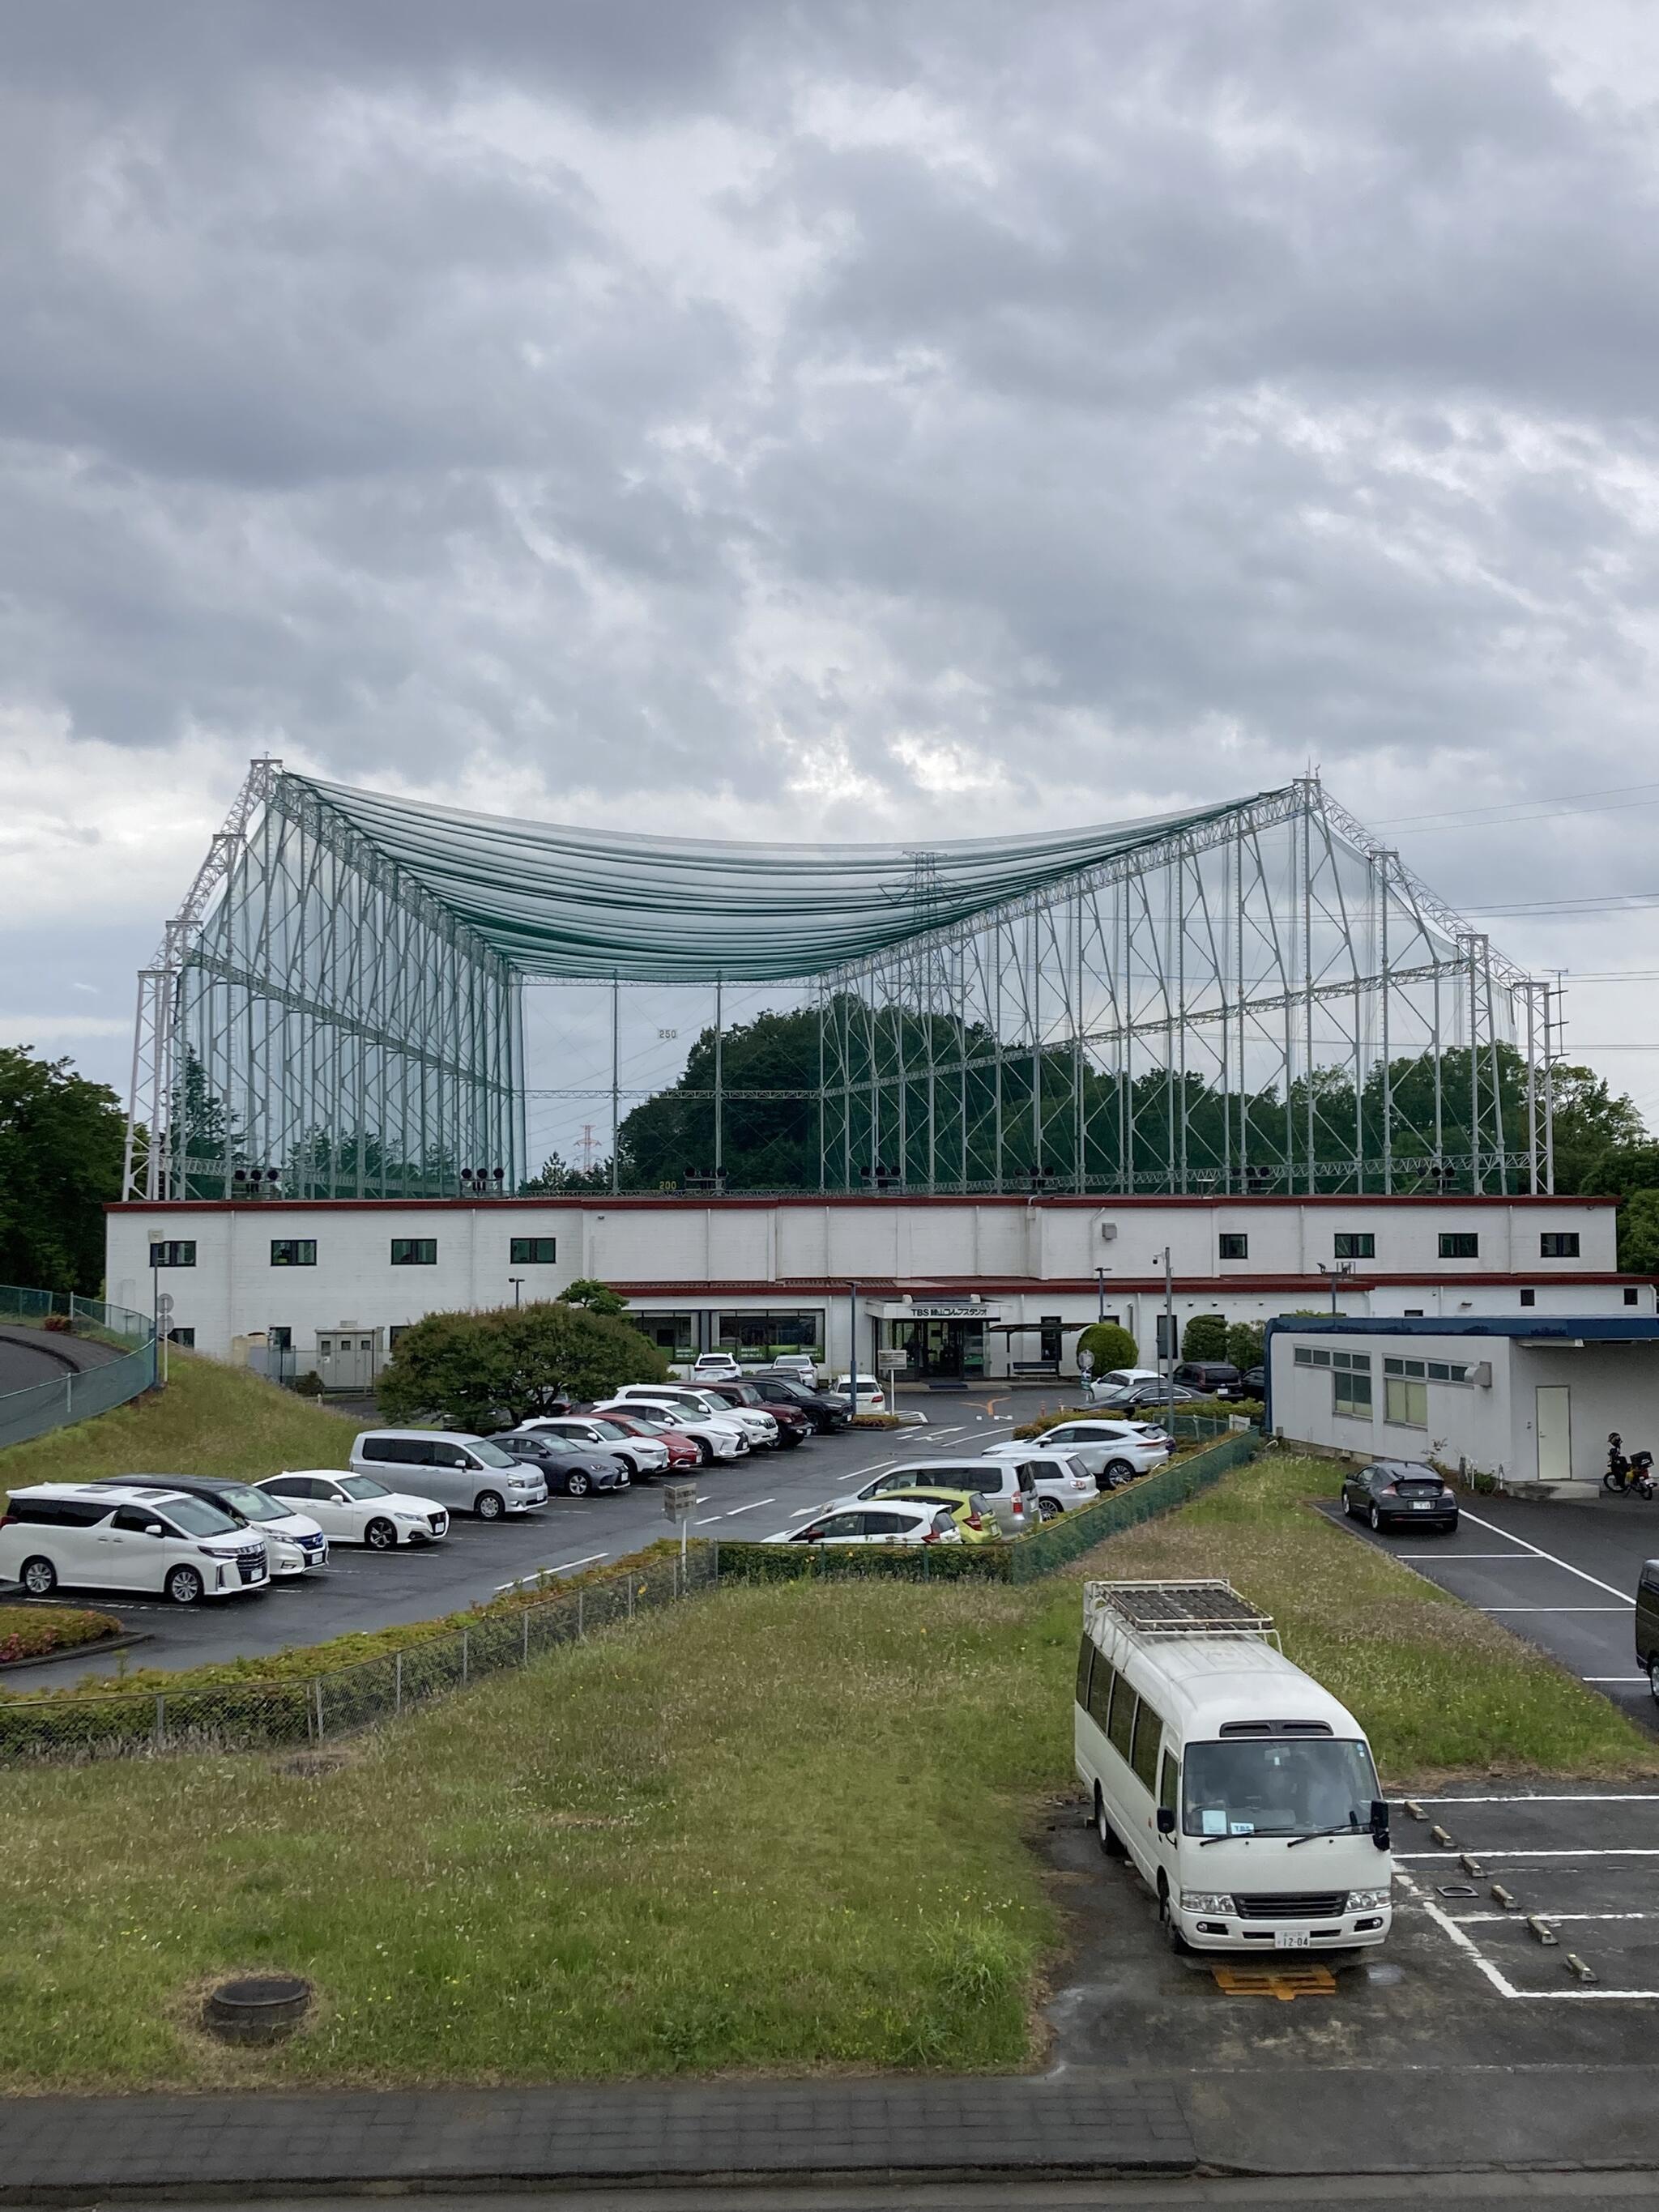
(1528, 1398)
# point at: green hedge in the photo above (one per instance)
(1024, 1559)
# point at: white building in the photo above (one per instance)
(1528, 1400)
(965, 1288)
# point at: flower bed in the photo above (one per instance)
(28, 1632)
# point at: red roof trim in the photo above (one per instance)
(1040, 1286)
(637, 1200)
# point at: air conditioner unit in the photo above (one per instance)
(1109, 1232)
(1480, 1375)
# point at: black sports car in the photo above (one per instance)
(1393, 1491)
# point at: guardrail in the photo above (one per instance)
(77, 1395)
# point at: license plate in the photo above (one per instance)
(1421, 1504)
(1292, 1938)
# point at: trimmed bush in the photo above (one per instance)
(1204, 1337)
(1112, 1346)
(29, 1632)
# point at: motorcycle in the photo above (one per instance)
(1625, 1475)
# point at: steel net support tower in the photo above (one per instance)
(1249, 998)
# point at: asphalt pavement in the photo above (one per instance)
(1561, 1574)
(364, 1590)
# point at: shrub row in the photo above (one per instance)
(1023, 1558)
(35, 1632)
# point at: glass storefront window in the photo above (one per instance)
(764, 1335)
(674, 1334)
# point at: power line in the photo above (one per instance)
(1568, 802)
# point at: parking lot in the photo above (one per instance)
(363, 1590)
(1562, 1575)
(1464, 2035)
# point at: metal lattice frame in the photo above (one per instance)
(1260, 1000)
(317, 1018)
(1268, 1002)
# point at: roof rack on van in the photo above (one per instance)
(1185, 1608)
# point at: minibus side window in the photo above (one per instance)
(1100, 1692)
(1084, 1654)
(1169, 1784)
(1143, 1756)
(1122, 1725)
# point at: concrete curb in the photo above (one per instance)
(124, 1642)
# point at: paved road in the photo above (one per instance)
(751, 1497)
(1549, 2192)
(1562, 1575)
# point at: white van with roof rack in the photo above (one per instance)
(1244, 1794)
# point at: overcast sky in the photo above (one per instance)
(910, 419)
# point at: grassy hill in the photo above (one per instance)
(209, 1420)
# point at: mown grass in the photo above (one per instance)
(779, 1828)
(209, 1420)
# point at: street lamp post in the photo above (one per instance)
(853, 1353)
(1100, 1294)
(516, 1282)
(1338, 1272)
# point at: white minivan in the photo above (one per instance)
(105, 1536)
(1244, 1794)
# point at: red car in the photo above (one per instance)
(682, 1448)
(793, 1427)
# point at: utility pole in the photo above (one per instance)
(1168, 1338)
(1100, 1294)
(853, 1353)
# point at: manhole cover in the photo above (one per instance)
(257, 2008)
(1284, 1982)
(1457, 1889)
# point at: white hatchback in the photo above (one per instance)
(1062, 1481)
(355, 1509)
(102, 1537)
(872, 1399)
(888, 1521)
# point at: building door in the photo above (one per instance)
(1555, 1432)
(347, 1360)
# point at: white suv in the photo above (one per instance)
(115, 1538)
(716, 1367)
(757, 1427)
(1114, 1451)
(715, 1438)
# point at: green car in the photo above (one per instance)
(972, 1526)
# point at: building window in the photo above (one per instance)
(1234, 1246)
(675, 1334)
(1354, 1244)
(293, 1252)
(414, 1251)
(397, 1329)
(764, 1335)
(177, 1254)
(1459, 1244)
(1630, 1298)
(1351, 1390)
(184, 1336)
(533, 1251)
(1559, 1244)
(1529, 1298)
(280, 1340)
(1405, 1403)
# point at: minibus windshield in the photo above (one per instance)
(1276, 1786)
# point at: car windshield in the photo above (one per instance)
(650, 1421)
(198, 1518)
(1276, 1786)
(254, 1504)
(610, 1429)
(364, 1486)
(491, 1455)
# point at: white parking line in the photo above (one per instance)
(1585, 1851)
(1538, 1551)
(882, 1467)
(1642, 1679)
(750, 1508)
(805, 1512)
(708, 1522)
(1562, 1797)
(1549, 1608)
(564, 1566)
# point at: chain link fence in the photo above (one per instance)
(311, 1710)
(79, 1393)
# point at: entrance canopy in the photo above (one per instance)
(588, 904)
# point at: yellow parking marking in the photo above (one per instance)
(1284, 1982)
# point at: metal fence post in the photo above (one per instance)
(318, 1687)
(581, 1598)
(161, 1723)
(630, 1594)
(465, 1656)
(398, 1683)
(526, 1660)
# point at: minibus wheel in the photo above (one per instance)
(1172, 1935)
(1105, 1832)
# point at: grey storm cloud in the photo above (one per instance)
(820, 408)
